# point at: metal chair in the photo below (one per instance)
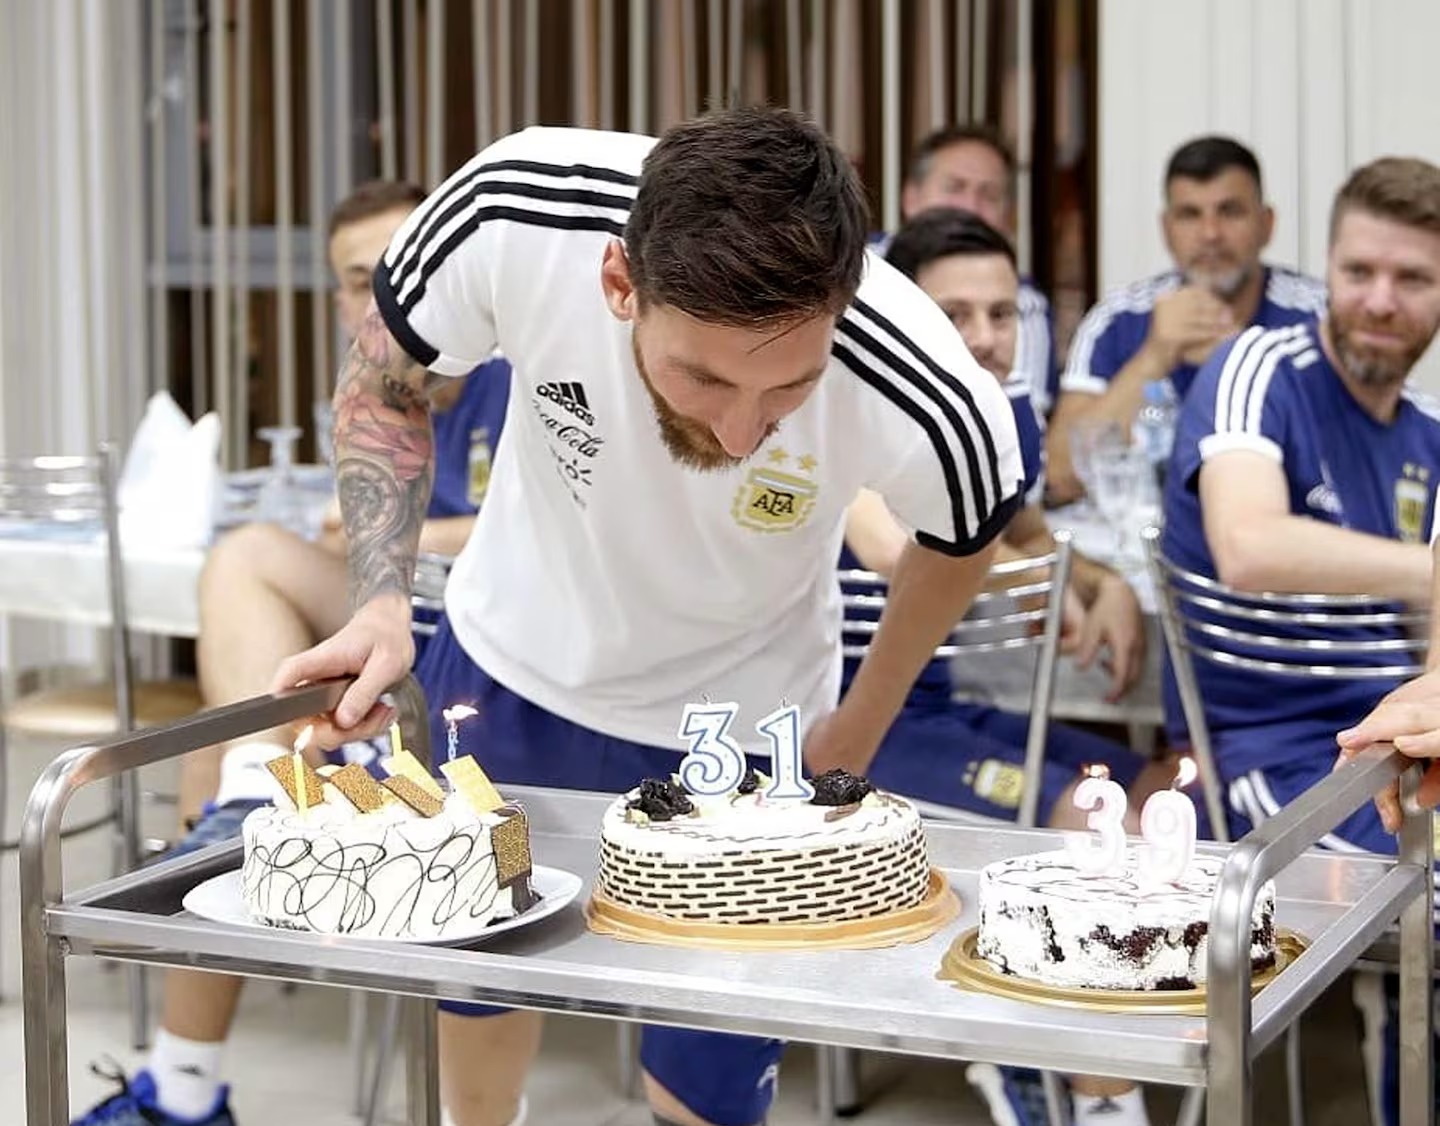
(1018, 610)
(1272, 635)
(75, 497)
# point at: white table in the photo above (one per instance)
(63, 580)
(59, 574)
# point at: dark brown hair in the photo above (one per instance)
(1403, 189)
(971, 133)
(944, 232)
(746, 217)
(374, 197)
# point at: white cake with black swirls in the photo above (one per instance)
(851, 853)
(1042, 919)
(385, 868)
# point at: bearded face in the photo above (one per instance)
(1384, 304)
(1377, 351)
(688, 441)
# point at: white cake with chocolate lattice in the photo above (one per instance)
(1043, 919)
(394, 859)
(851, 853)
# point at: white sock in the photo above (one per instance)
(243, 774)
(519, 1120)
(1110, 1110)
(186, 1073)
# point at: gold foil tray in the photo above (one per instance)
(963, 967)
(913, 924)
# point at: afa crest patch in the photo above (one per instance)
(1412, 498)
(775, 499)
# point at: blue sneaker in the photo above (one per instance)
(1015, 1095)
(134, 1105)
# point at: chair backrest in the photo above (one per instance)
(1271, 634)
(69, 496)
(1020, 608)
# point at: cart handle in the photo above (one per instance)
(1264, 852)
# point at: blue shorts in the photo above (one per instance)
(723, 1078)
(972, 757)
(216, 825)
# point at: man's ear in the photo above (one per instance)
(620, 294)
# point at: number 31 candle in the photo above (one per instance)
(716, 765)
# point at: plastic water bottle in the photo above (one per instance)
(1155, 425)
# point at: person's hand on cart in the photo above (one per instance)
(1409, 717)
(377, 648)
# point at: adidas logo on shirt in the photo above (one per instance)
(571, 396)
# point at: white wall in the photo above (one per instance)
(1316, 87)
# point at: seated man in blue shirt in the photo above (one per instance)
(969, 756)
(971, 168)
(1150, 338)
(1295, 450)
(264, 592)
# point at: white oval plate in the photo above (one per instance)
(220, 900)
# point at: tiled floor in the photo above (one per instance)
(289, 1061)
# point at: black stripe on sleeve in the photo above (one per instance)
(444, 208)
(949, 379)
(965, 543)
(510, 214)
(416, 346)
(989, 528)
(920, 387)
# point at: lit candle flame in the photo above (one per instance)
(303, 739)
(1186, 772)
(458, 712)
(1097, 770)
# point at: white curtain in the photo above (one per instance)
(73, 349)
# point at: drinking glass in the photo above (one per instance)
(1090, 438)
(323, 413)
(281, 500)
(1119, 489)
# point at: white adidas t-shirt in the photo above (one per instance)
(603, 581)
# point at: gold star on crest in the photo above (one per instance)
(808, 463)
(778, 456)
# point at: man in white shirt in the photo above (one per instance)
(707, 368)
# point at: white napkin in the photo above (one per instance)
(169, 486)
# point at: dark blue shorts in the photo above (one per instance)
(725, 1079)
(972, 757)
(216, 825)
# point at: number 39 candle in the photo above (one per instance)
(1168, 825)
(1104, 850)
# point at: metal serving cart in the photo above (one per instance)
(886, 999)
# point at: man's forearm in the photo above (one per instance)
(384, 462)
(1028, 536)
(1122, 399)
(1298, 555)
(928, 594)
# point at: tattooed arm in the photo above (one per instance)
(384, 461)
(384, 468)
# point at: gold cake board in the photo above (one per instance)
(963, 967)
(913, 924)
